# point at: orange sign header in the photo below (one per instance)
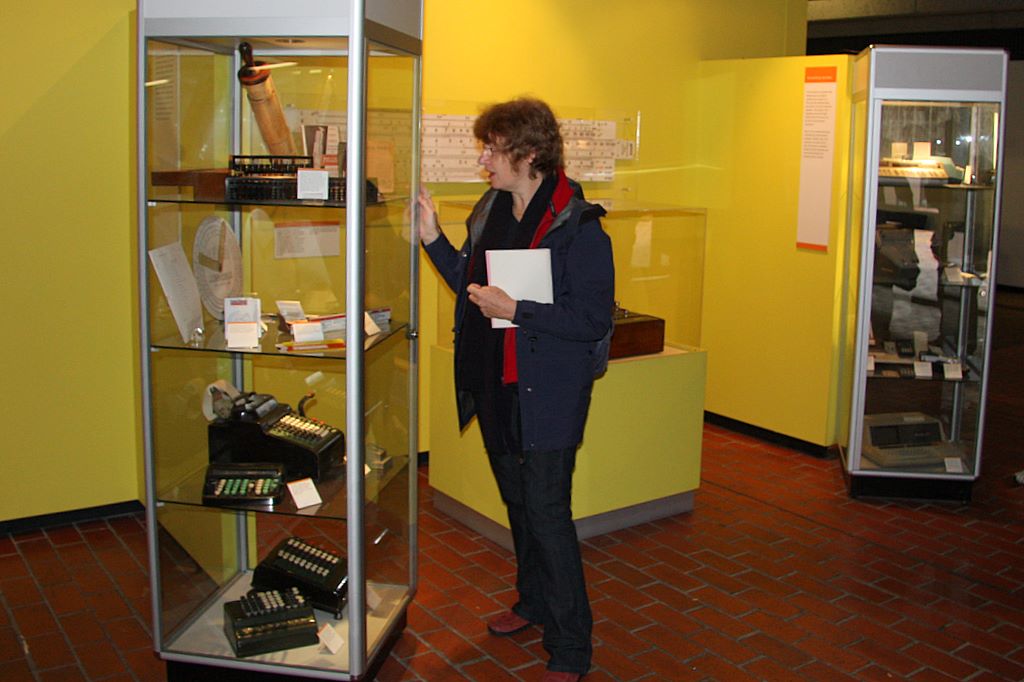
(820, 74)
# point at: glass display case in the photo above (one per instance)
(277, 159)
(928, 132)
(656, 388)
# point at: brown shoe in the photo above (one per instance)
(507, 623)
(553, 676)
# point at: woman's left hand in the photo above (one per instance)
(493, 302)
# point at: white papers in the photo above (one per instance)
(307, 239)
(817, 155)
(242, 322)
(179, 287)
(523, 274)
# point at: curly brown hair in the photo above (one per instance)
(520, 127)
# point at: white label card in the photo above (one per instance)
(291, 310)
(313, 184)
(241, 309)
(922, 369)
(953, 370)
(330, 638)
(333, 325)
(920, 342)
(242, 334)
(307, 331)
(242, 322)
(954, 465)
(304, 493)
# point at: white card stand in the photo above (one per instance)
(304, 493)
(313, 184)
(330, 638)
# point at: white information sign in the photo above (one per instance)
(816, 156)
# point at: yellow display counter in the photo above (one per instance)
(640, 458)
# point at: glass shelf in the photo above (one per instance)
(189, 491)
(221, 200)
(204, 631)
(214, 343)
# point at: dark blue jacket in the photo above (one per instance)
(555, 342)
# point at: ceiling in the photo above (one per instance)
(836, 26)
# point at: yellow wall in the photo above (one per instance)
(68, 185)
(69, 367)
(584, 56)
(772, 321)
(587, 59)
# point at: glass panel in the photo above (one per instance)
(188, 120)
(389, 251)
(930, 285)
(198, 557)
(211, 557)
(659, 264)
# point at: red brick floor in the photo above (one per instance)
(777, 574)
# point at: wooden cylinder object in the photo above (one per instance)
(266, 107)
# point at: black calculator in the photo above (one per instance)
(269, 620)
(235, 483)
(321, 574)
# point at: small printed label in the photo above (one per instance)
(330, 638)
(304, 493)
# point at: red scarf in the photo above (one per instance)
(559, 200)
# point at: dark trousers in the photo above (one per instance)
(537, 489)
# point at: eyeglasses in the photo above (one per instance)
(492, 150)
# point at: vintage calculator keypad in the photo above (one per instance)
(302, 429)
(232, 483)
(262, 621)
(320, 574)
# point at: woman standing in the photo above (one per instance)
(529, 386)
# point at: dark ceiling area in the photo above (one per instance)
(1012, 40)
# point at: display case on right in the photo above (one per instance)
(928, 131)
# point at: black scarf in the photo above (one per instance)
(480, 362)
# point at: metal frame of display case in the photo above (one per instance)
(923, 77)
(217, 26)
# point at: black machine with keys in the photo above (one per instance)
(320, 574)
(269, 620)
(256, 428)
(258, 483)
